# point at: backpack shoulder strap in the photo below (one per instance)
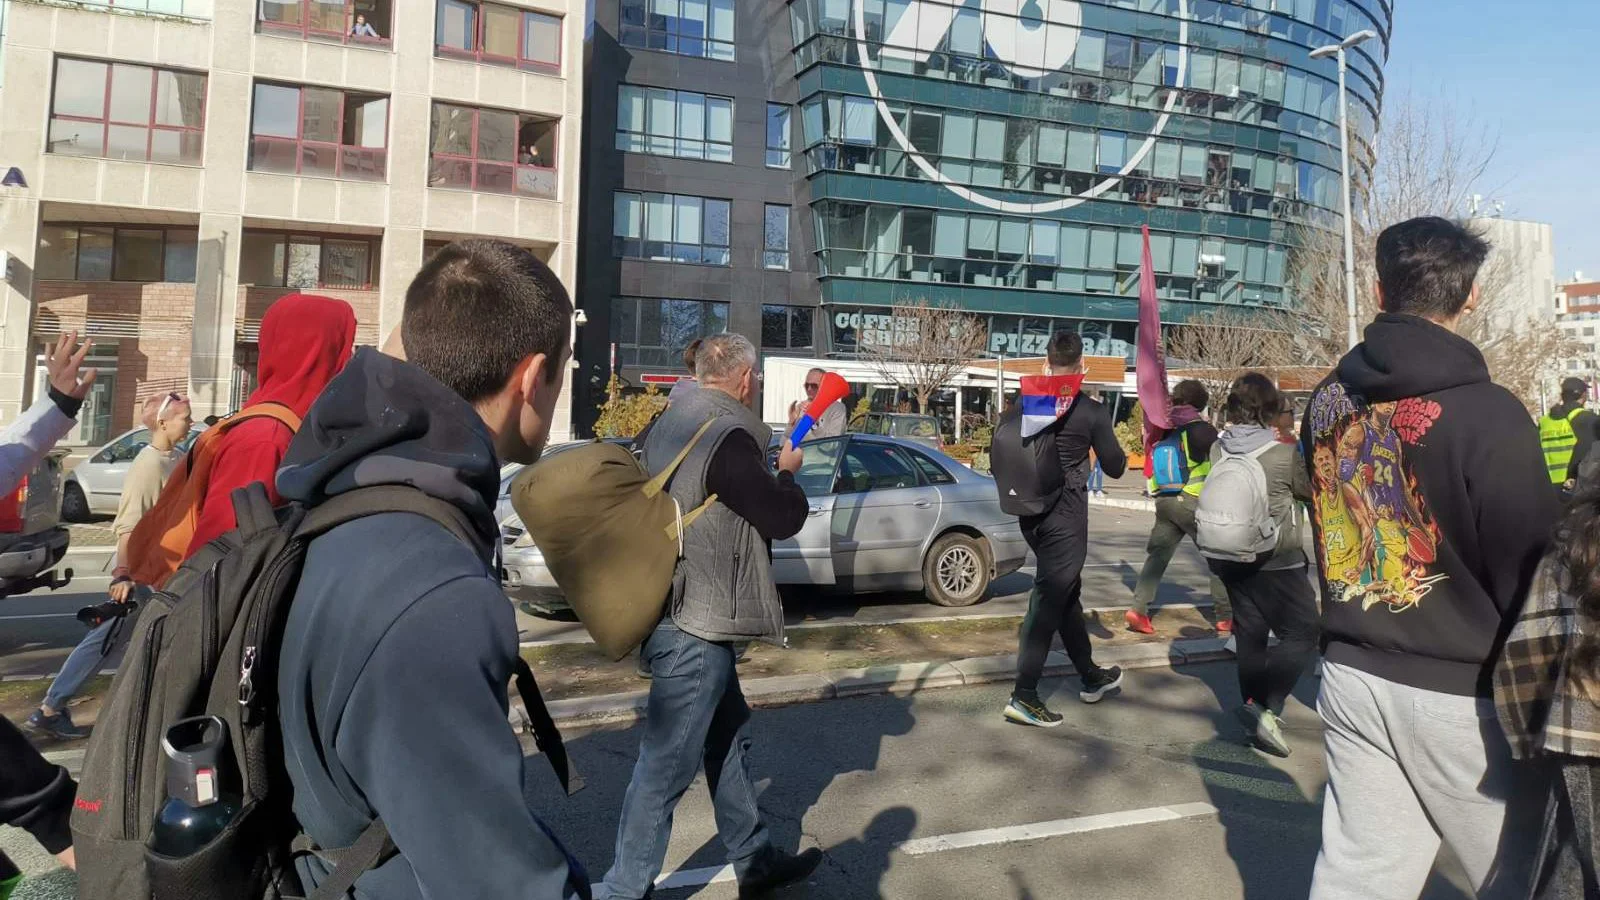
(252, 509)
(545, 733)
(349, 864)
(384, 498)
(276, 411)
(1260, 451)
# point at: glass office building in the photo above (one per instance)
(1002, 156)
(791, 170)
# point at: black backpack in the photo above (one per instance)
(207, 644)
(1027, 471)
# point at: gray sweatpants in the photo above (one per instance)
(1407, 768)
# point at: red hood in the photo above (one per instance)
(305, 341)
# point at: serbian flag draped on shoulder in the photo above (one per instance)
(1022, 456)
(1046, 398)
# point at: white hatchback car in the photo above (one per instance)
(94, 486)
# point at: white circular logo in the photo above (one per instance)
(1036, 46)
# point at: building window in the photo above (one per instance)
(488, 32)
(786, 327)
(349, 21)
(670, 228)
(493, 151)
(775, 249)
(686, 27)
(780, 136)
(305, 261)
(319, 131)
(127, 112)
(650, 332)
(115, 253)
(674, 123)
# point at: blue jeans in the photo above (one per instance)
(86, 658)
(1097, 479)
(696, 715)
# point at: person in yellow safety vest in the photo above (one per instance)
(1567, 433)
(1175, 513)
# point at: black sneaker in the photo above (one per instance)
(59, 725)
(772, 869)
(1100, 682)
(1031, 712)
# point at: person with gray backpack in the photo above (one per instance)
(1248, 528)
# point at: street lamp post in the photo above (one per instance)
(1338, 51)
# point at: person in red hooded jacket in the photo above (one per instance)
(305, 341)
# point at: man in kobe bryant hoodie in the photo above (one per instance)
(1432, 509)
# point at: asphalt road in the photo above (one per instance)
(38, 630)
(1146, 795)
(861, 777)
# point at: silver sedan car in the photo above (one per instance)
(885, 514)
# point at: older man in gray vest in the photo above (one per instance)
(722, 595)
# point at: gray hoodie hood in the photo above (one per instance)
(1242, 439)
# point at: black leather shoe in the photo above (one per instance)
(773, 869)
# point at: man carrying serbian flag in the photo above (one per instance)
(1040, 462)
(1177, 451)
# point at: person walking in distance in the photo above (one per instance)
(723, 594)
(1270, 593)
(398, 646)
(1567, 433)
(1175, 506)
(169, 419)
(1059, 538)
(1432, 509)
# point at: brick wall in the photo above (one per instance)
(254, 301)
(150, 324)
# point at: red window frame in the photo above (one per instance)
(341, 151)
(305, 30)
(474, 163)
(374, 248)
(480, 23)
(106, 122)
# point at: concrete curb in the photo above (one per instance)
(899, 680)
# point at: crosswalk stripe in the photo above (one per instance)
(1015, 833)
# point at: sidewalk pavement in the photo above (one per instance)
(900, 680)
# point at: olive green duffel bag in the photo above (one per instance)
(610, 534)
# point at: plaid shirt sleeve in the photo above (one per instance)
(1526, 677)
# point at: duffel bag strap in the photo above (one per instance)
(349, 864)
(545, 733)
(657, 484)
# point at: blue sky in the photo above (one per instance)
(1527, 72)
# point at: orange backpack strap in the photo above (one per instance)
(160, 542)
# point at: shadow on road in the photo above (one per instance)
(852, 869)
(1259, 804)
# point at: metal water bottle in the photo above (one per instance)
(199, 803)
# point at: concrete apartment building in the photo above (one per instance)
(1578, 315)
(185, 163)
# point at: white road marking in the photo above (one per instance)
(41, 616)
(684, 878)
(1057, 828)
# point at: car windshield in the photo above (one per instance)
(914, 426)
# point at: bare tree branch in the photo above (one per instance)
(1219, 346)
(926, 347)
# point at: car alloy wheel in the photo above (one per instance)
(74, 505)
(957, 571)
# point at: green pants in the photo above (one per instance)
(1174, 522)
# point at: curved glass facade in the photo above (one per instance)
(1002, 155)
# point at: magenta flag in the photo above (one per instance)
(1151, 361)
